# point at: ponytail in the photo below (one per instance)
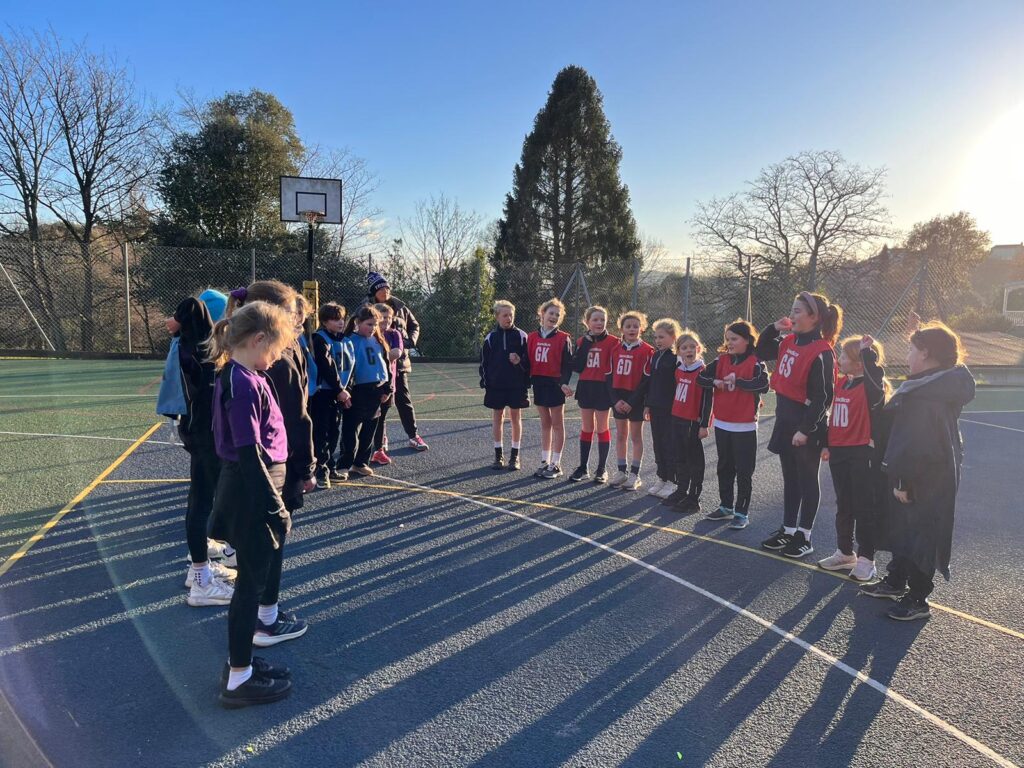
(254, 317)
(829, 316)
(216, 346)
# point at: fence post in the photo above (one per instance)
(750, 288)
(636, 282)
(252, 265)
(686, 294)
(922, 286)
(479, 306)
(127, 298)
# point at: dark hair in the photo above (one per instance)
(361, 315)
(740, 327)
(942, 344)
(830, 316)
(331, 311)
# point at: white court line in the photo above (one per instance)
(86, 437)
(890, 694)
(72, 396)
(994, 426)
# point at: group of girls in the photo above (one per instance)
(833, 404)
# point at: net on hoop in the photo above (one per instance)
(312, 217)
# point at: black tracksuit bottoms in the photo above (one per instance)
(737, 457)
(664, 450)
(689, 456)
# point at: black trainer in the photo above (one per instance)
(552, 471)
(910, 609)
(601, 476)
(541, 469)
(799, 546)
(675, 498)
(883, 589)
(260, 666)
(686, 506)
(499, 459)
(778, 540)
(258, 689)
(579, 475)
(513, 460)
(287, 627)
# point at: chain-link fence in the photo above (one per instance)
(113, 298)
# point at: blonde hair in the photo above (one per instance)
(591, 311)
(501, 304)
(851, 346)
(552, 303)
(633, 314)
(246, 321)
(685, 335)
(668, 325)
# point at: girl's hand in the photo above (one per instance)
(866, 341)
(730, 382)
(799, 439)
(513, 358)
(719, 384)
(903, 497)
(702, 433)
(394, 354)
(647, 414)
(623, 407)
(825, 455)
(308, 486)
(173, 326)
(783, 324)
(566, 390)
(344, 397)
(384, 398)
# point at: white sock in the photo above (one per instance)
(515, 445)
(806, 532)
(789, 531)
(545, 456)
(497, 444)
(268, 614)
(201, 574)
(235, 679)
(556, 458)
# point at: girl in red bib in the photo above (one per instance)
(859, 397)
(738, 379)
(626, 367)
(550, 354)
(803, 381)
(691, 418)
(590, 361)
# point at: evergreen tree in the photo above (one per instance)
(567, 201)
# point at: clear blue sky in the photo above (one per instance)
(438, 96)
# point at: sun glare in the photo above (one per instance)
(992, 181)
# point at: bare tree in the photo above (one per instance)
(360, 218)
(812, 211)
(107, 158)
(439, 235)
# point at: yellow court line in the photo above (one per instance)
(52, 522)
(689, 534)
(147, 480)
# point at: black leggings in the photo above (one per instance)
(801, 491)
(325, 412)
(381, 430)
(204, 471)
(359, 426)
(737, 457)
(855, 502)
(689, 456)
(664, 450)
(403, 402)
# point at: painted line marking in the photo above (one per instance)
(24, 548)
(994, 426)
(86, 437)
(885, 690)
(74, 395)
(667, 529)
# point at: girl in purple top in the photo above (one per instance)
(250, 439)
(397, 349)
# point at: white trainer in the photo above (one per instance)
(837, 561)
(652, 490)
(633, 483)
(219, 571)
(618, 479)
(667, 490)
(216, 592)
(864, 570)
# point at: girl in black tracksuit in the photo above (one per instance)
(852, 455)
(656, 391)
(803, 381)
(326, 403)
(505, 379)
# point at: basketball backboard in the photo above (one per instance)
(300, 194)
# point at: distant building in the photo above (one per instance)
(1007, 253)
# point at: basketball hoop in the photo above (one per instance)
(312, 217)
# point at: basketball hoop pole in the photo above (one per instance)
(309, 251)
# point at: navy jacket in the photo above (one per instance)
(496, 371)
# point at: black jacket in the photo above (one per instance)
(198, 375)
(406, 324)
(291, 385)
(924, 456)
(328, 377)
(496, 371)
(657, 387)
